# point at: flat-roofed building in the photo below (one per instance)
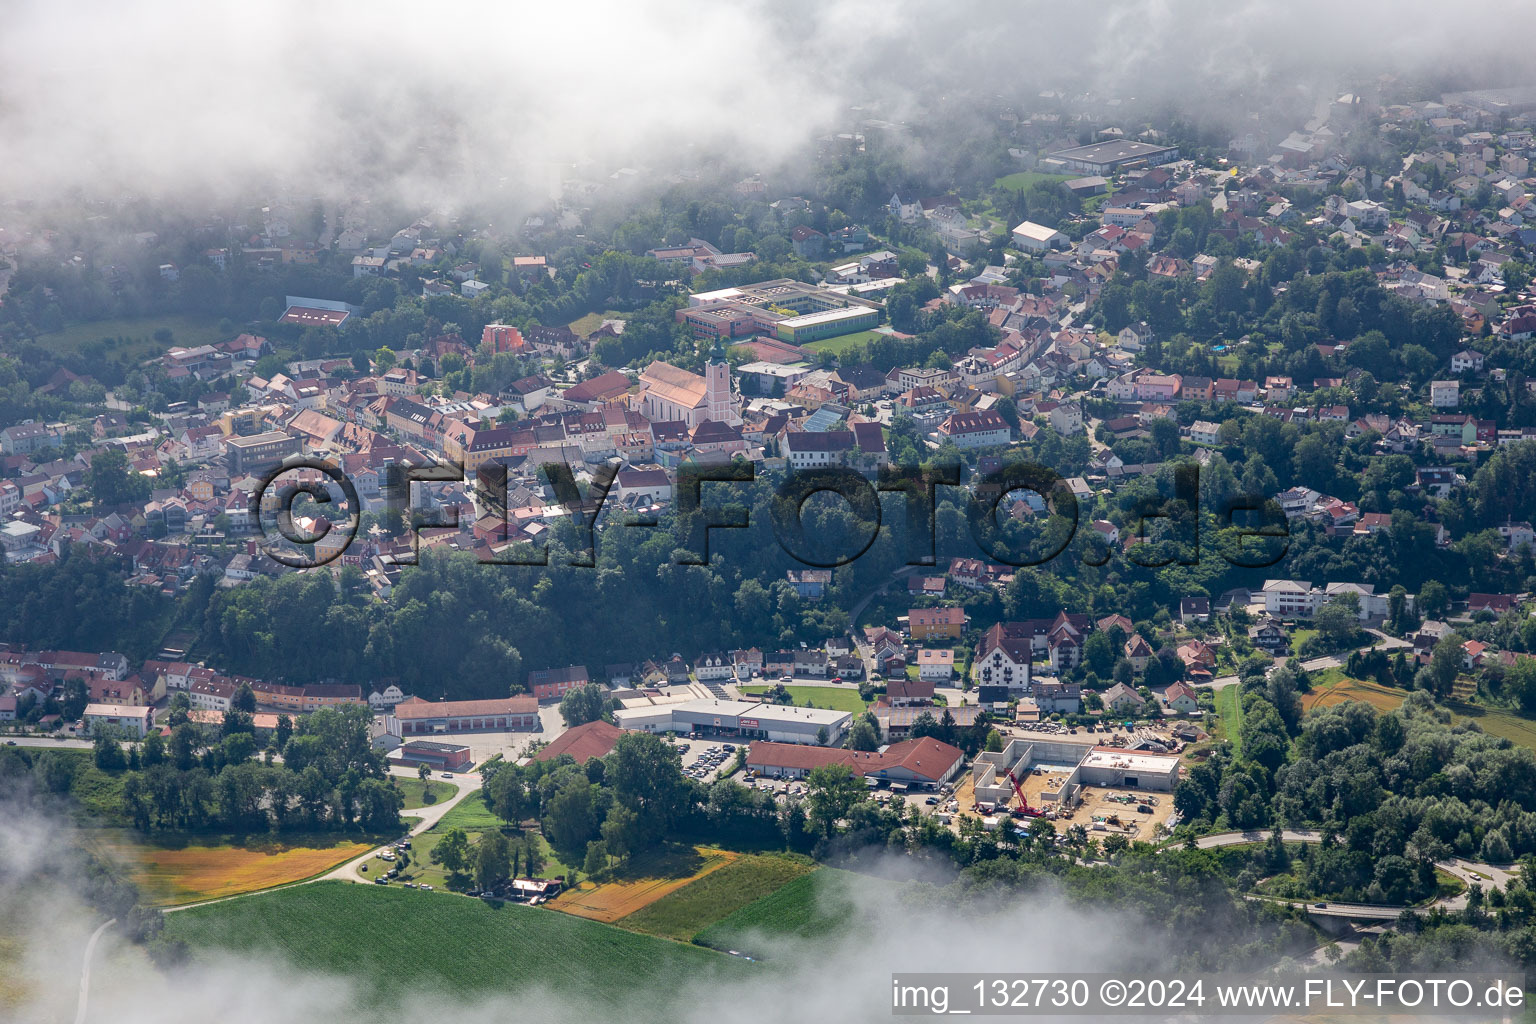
(259, 451)
(748, 719)
(451, 757)
(827, 323)
(1108, 157)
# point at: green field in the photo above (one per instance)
(585, 325)
(683, 914)
(1231, 713)
(1496, 722)
(843, 342)
(394, 941)
(471, 815)
(139, 333)
(1021, 180)
(417, 793)
(809, 907)
(835, 698)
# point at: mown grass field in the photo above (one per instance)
(393, 941)
(1496, 722)
(1020, 180)
(173, 872)
(835, 698)
(585, 325)
(684, 913)
(472, 816)
(138, 332)
(641, 885)
(837, 346)
(420, 794)
(808, 907)
(1231, 714)
(1340, 688)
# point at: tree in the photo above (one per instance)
(621, 832)
(112, 482)
(507, 794)
(154, 749)
(596, 861)
(584, 704)
(244, 699)
(452, 851)
(109, 753)
(832, 791)
(648, 779)
(924, 725)
(1339, 619)
(570, 819)
(493, 860)
(423, 771)
(863, 735)
(283, 733)
(1433, 599)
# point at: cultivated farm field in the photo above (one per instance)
(1343, 688)
(455, 944)
(813, 905)
(684, 913)
(641, 886)
(171, 873)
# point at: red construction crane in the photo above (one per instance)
(1023, 810)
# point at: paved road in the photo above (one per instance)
(428, 816)
(85, 970)
(1470, 872)
(1385, 643)
(468, 785)
(48, 741)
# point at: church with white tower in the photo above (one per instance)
(670, 393)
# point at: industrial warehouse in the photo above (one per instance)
(417, 717)
(924, 762)
(739, 718)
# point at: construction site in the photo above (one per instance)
(1104, 789)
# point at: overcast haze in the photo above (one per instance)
(182, 97)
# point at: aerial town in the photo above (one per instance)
(355, 546)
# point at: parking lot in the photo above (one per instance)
(705, 760)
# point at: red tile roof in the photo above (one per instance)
(595, 739)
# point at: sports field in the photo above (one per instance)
(843, 342)
(832, 697)
(649, 882)
(684, 913)
(393, 941)
(174, 873)
(1342, 688)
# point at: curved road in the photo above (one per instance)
(85, 970)
(347, 872)
(1469, 872)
